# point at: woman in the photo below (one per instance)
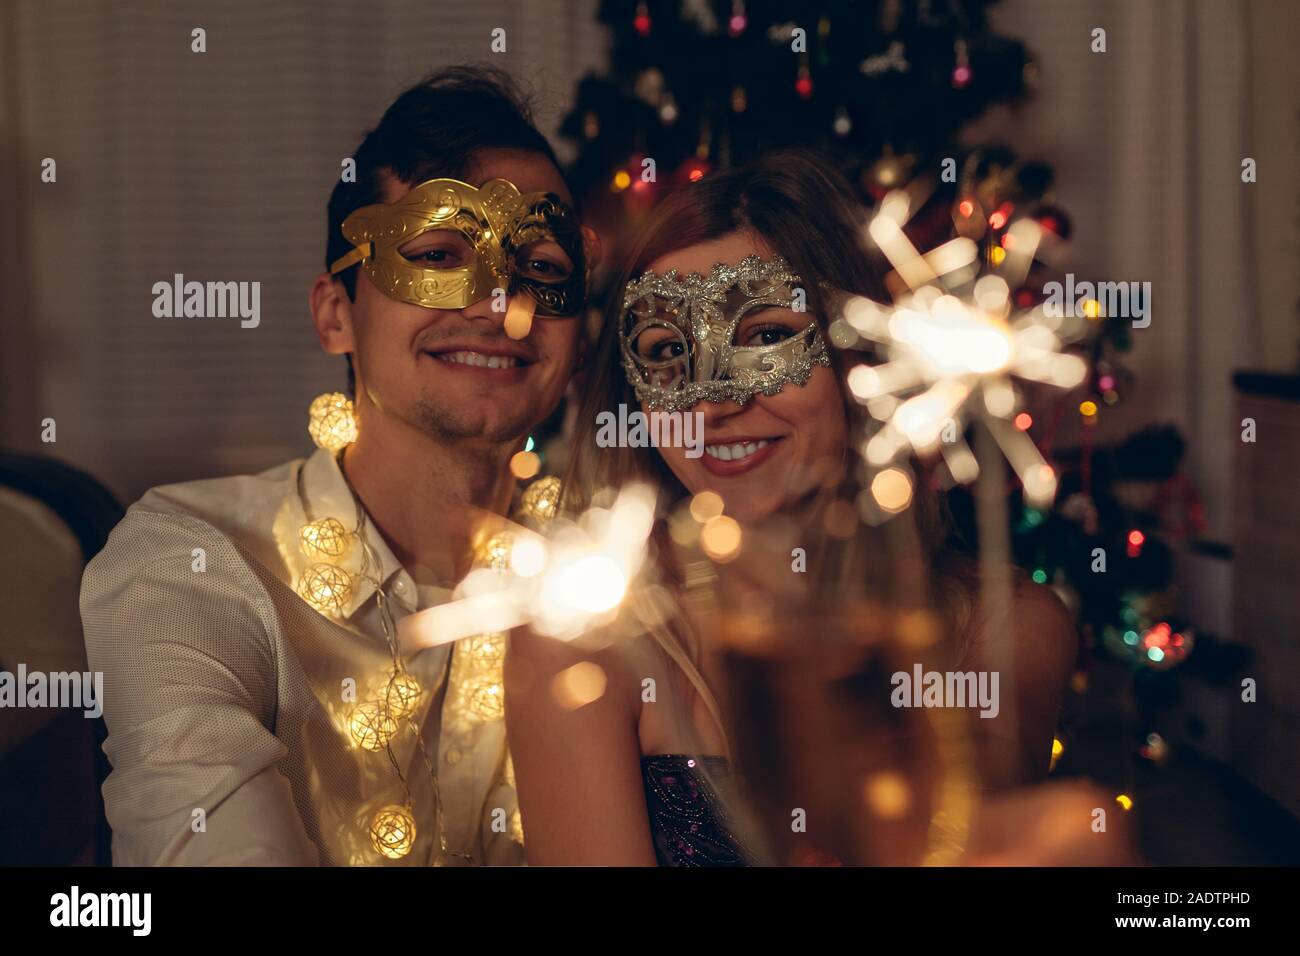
(725, 311)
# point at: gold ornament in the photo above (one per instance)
(331, 421)
(486, 650)
(487, 699)
(401, 695)
(541, 499)
(372, 725)
(325, 539)
(496, 553)
(326, 588)
(392, 832)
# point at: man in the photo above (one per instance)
(238, 729)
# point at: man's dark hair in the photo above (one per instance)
(432, 130)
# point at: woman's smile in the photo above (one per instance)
(725, 458)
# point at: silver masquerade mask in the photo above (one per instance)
(679, 335)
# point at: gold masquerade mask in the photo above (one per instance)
(480, 239)
(678, 336)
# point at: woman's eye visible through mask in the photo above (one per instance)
(659, 345)
(768, 325)
(666, 350)
(770, 335)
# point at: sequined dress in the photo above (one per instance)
(687, 820)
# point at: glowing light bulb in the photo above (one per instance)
(487, 699)
(331, 421)
(326, 588)
(372, 725)
(541, 499)
(401, 695)
(392, 832)
(326, 538)
(496, 552)
(486, 650)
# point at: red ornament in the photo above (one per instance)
(1054, 220)
(736, 25)
(804, 84)
(692, 171)
(1135, 541)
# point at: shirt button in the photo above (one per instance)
(453, 756)
(401, 585)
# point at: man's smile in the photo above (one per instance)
(479, 360)
(498, 359)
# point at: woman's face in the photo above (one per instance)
(768, 453)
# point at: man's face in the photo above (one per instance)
(455, 374)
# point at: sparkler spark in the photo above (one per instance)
(953, 344)
(560, 584)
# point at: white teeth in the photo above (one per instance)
(482, 361)
(735, 452)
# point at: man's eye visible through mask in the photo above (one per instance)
(544, 262)
(439, 250)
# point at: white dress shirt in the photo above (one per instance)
(227, 700)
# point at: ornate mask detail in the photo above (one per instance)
(486, 237)
(679, 335)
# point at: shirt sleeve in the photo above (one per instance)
(189, 678)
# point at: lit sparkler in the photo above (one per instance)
(953, 343)
(560, 584)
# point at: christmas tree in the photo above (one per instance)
(881, 88)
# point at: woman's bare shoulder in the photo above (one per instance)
(1044, 627)
(1040, 607)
